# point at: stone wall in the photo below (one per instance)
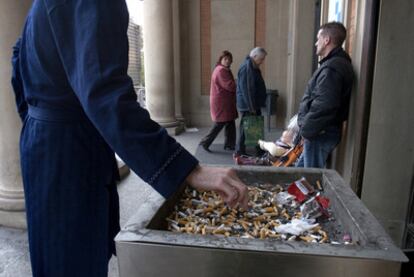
(208, 27)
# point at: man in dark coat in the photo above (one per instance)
(78, 106)
(251, 92)
(325, 104)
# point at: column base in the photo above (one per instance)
(12, 200)
(180, 118)
(13, 219)
(176, 130)
(12, 209)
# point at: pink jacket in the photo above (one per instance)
(222, 95)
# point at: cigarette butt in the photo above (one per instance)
(318, 184)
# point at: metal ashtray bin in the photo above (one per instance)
(146, 248)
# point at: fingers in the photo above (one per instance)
(224, 181)
(239, 188)
(229, 193)
(233, 190)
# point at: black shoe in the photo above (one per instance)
(260, 152)
(205, 148)
(239, 153)
(229, 148)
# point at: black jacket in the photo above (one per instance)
(326, 99)
(251, 88)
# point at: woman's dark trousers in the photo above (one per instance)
(229, 134)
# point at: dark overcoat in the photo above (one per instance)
(78, 106)
(251, 88)
(222, 95)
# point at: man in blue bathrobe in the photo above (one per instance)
(78, 106)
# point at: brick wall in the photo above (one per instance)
(351, 25)
(205, 37)
(206, 44)
(260, 23)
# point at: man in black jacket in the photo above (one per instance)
(251, 92)
(325, 104)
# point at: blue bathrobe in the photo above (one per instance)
(78, 106)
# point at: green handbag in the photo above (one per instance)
(253, 126)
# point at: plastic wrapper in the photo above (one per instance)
(296, 227)
(293, 128)
(315, 207)
(283, 198)
(286, 141)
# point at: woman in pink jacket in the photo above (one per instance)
(222, 103)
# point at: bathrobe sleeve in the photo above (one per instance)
(16, 82)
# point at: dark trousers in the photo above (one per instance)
(72, 205)
(229, 134)
(316, 150)
(240, 146)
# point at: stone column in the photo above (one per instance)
(177, 61)
(159, 63)
(11, 189)
(301, 47)
(387, 187)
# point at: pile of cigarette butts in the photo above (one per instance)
(279, 212)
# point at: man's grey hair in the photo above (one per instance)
(257, 51)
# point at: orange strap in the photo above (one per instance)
(290, 156)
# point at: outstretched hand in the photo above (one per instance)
(224, 181)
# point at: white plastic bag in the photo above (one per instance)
(296, 227)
